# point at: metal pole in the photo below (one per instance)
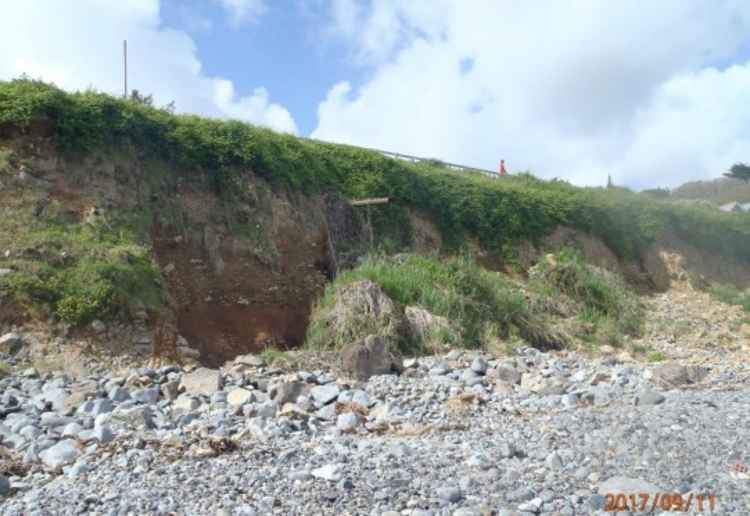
(125, 67)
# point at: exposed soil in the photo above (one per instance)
(228, 299)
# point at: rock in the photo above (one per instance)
(171, 389)
(362, 308)
(98, 326)
(134, 418)
(674, 375)
(250, 360)
(479, 365)
(55, 397)
(186, 403)
(103, 434)
(62, 453)
(288, 392)
(325, 394)
(507, 374)
(370, 357)
(440, 369)
(238, 397)
(425, 326)
(330, 472)
(118, 394)
(533, 505)
(627, 485)
(53, 420)
(451, 494)
(553, 461)
(146, 396)
(649, 398)
(347, 422)
(11, 343)
(4, 486)
(202, 381)
(72, 430)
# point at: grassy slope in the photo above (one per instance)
(499, 213)
(483, 306)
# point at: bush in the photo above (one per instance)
(605, 299)
(480, 304)
(497, 213)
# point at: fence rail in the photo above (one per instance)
(414, 159)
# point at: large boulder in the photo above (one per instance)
(368, 357)
(674, 375)
(429, 329)
(62, 453)
(11, 343)
(360, 309)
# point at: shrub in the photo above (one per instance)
(497, 213)
(480, 304)
(606, 300)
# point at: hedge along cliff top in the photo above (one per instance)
(498, 213)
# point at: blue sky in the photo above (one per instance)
(286, 52)
(652, 93)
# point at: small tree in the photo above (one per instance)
(739, 171)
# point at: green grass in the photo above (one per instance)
(731, 295)
(656, 356)
(605, 300)
(480, 305)
(498, 213)
(80, 271)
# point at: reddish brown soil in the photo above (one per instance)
(250, 304)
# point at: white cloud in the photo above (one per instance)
(243, 11)
(575, 89)
(78, 45)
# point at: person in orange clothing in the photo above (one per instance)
(501, 170)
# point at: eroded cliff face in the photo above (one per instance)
(228, 262)
(239, 264)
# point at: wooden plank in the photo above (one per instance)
(366, 202)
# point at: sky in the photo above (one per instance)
(652, 93)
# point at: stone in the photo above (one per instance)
(451, 494)
(675, 375)
(507, 374)
(53, 420)
(119, 394)
(533, 505)
(147, 396)
(63, 453)
(4, 486)
(98, 326)
(103, 434)
(347, 422)
(238, 397)
(330, 472)
(369, 357)
(55, 397)
(11, 343)
(649, 398)
(288, 392)
(553, 461)
(170, 390)
(424, 326)
(134, 418)
(72, 430)
(250, 360)
(325, 394)
(186, 403)
(479, 365)
(202, 381)
(627, 485)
